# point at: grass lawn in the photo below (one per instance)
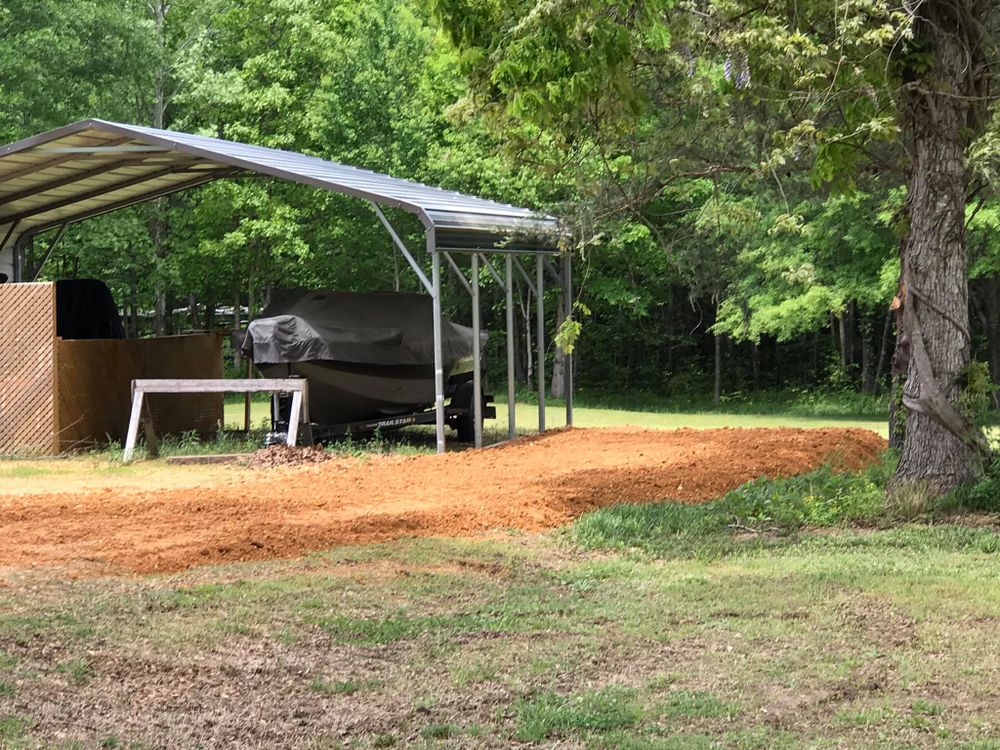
(555, 416)
(856, 639)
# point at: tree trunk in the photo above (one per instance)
(133, 304)
(940, 92)
(777, 364)
(883, 349)
(815, 356)
(842, 343)
(237, 356)
(156, 231)
(867, 355)
(558, 388)
(851, 325)
(669, 326)
(755, 365)
(717, 392)
(529, 359)
(157, 220)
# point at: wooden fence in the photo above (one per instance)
(58, 395)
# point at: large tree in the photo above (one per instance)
(845, 91)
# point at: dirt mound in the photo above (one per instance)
(532, 484)
(284, 455)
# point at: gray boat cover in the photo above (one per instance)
(378, 328)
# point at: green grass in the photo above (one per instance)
(799, 402)
(690, 704)
(765, 509)
(77, 670)
(589, 416)
(539, 642)
(440, 731)
(548, 714)
(25, 472)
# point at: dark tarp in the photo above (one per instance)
(378, 328)
(85, 309)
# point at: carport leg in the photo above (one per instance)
(540, 335)
(477, 375)
(511, 406)
(438, 354)
(133, 426)
(568, 366)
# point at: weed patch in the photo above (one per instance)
(548, 714)
(440, 731)
(693, 704)
(12, 729)
(77, 670)
(763, 508)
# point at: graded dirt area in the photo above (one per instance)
(532, 484)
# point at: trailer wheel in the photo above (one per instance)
(465, 423)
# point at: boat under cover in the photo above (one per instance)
(365, 355)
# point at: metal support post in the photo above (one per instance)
(540, 335)
(402, 248)
(568, 364)
(438, 354)
(511, 405)
(477, 375)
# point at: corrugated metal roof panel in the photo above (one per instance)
(38, 189)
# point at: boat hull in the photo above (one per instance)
(341, 392)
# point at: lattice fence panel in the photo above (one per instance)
(27, 369)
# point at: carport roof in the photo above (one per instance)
(94, 167)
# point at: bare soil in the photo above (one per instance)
(532, 484)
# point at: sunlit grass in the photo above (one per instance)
(555, 416)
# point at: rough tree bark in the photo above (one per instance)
(717, 385)
(942, 86)
(867, 354)
(558, 387)
(157, 215)
(883, 349)
(237, 323)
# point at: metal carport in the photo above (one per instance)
(94, 167)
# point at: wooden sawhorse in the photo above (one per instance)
(299, 388)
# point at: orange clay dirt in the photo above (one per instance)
(532, 484)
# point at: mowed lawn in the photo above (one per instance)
(855, 639)
(555, 416)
